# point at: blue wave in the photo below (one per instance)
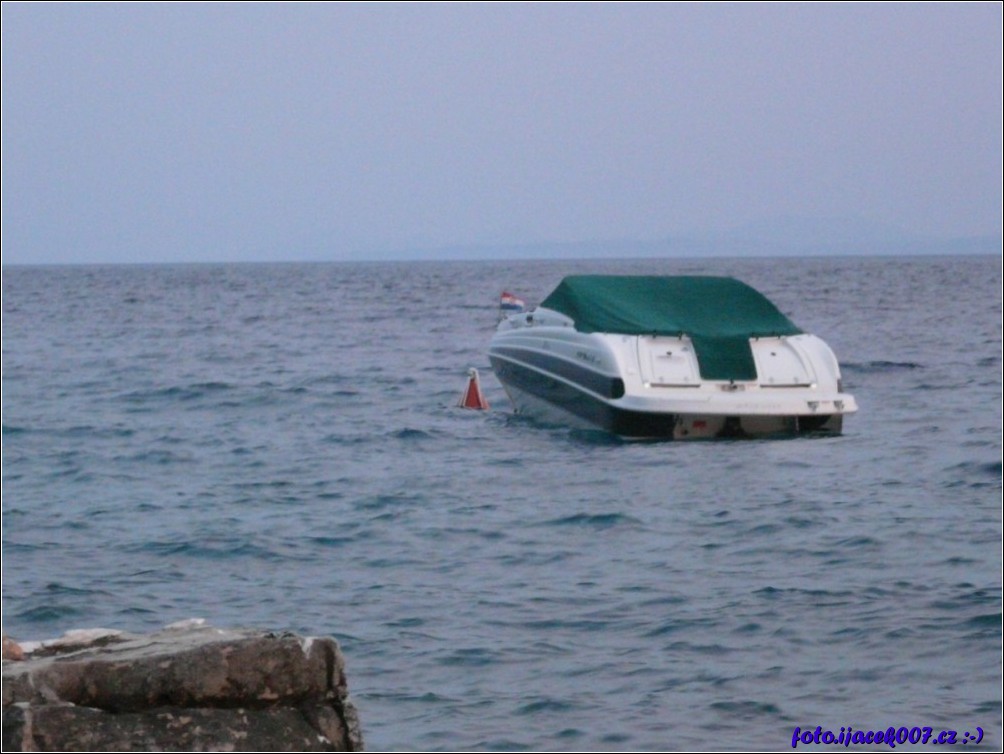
(879, 367)
(598, 520)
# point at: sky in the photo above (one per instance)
(252, 132)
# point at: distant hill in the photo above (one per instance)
(773, 238)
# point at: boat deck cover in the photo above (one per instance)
(719, 314)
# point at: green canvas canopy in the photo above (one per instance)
(719, 315)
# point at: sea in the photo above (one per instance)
(278, 446)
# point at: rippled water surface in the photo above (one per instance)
(277, 447)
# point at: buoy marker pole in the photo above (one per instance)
(473, 397)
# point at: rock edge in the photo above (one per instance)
(189, 687)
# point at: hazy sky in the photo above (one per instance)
(146, 132)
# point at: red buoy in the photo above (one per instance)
(473, 397)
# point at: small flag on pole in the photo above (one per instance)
(511, 303)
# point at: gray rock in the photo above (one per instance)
(187, 688)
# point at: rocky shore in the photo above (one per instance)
(188, 687)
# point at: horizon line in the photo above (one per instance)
(933, 254)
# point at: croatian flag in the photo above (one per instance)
(511, 303)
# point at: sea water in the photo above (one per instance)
(277, 446)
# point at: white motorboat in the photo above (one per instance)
(668, 357)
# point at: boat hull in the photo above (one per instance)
(556, 391)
